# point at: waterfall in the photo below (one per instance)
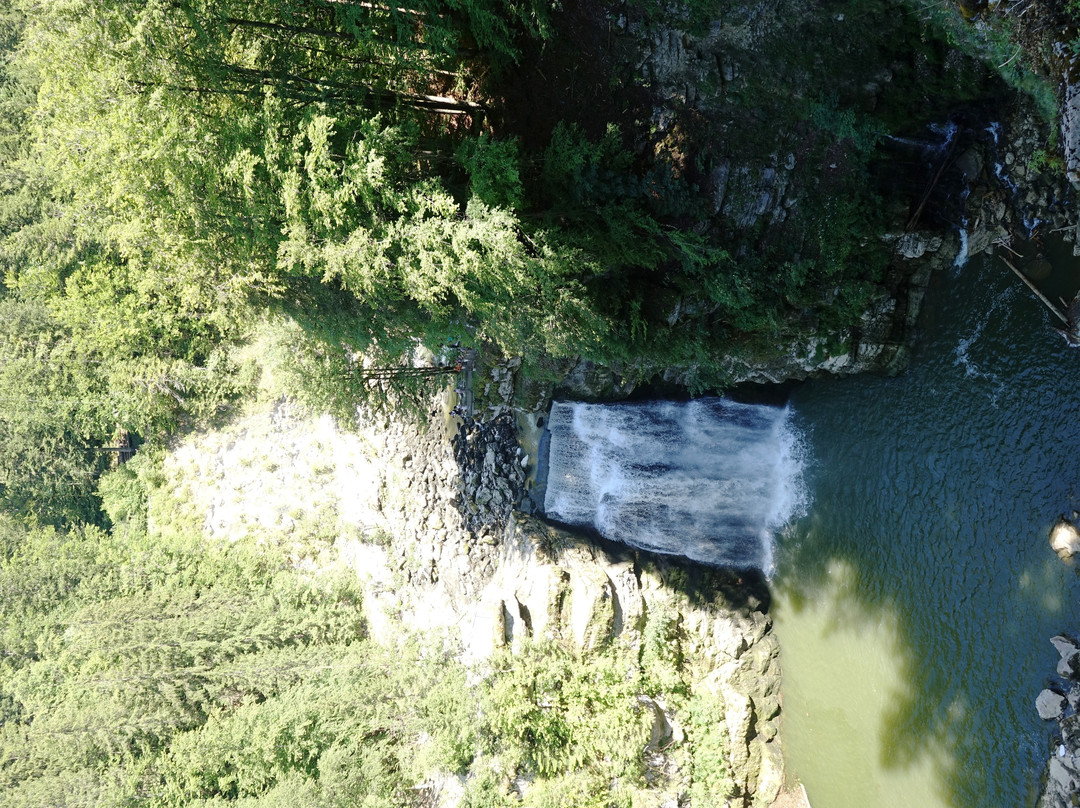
(708, 479)
(962, 255)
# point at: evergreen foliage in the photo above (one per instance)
(167, 670)
(552, 712)
(174, 171)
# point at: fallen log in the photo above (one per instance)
(1049, 304)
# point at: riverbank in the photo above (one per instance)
(1058, 703)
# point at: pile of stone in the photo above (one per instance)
(1016, 191)
(419, 500)
(492, 472)
(1059, 702)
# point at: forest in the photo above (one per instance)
(162, 670)
(177, 173)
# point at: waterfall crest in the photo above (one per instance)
(708, 479)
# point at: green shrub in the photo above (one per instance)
(711, 786)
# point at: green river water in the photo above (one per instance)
(915, 598)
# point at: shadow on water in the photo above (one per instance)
(927, 539)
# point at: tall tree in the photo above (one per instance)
(54, 416)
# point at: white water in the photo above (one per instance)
(962, 254)
(708, 479)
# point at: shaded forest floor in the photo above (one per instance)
(578, 75)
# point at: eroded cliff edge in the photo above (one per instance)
(392, 501)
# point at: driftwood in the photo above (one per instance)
(914, 220)
(1049, 304)
(1070, 315)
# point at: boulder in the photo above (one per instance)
(1067, 667)
(1061, 782)
(1070, 732)
(1050, 705)
(1065, 538)
(916, 245)
(1065, 646)
(970, 163)
(589, 381)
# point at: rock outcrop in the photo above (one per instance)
(428, 517)
(1059, 702)
(1065, 538)
(552, 584)
(1070, 131)
(533, 581)
(493, 576)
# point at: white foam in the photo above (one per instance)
(947, 131)
(711, 479)
(962, 351)
(791, 498)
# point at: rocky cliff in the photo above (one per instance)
(555, 585)
(881, 149)
(427, 517)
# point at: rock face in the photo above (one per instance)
(552, 584)
(993, 178)
(763, 179)
(1061, 788)
(1005, 193)
(876, 343)
(1070, 132)
(429, 521)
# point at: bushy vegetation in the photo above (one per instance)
(172, 173)
(170, 670)
(1025, 49)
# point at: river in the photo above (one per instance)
(915, 598)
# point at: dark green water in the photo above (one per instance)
(916, 597)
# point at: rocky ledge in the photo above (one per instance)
(1059, 702)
